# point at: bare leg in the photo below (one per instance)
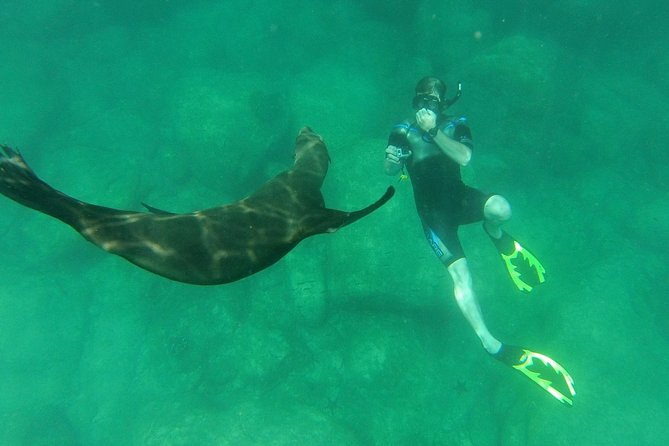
(496, 212)
(469, 306)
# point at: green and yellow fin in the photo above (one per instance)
(524, 268)
(544, 371)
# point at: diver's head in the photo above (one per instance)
(430, 94)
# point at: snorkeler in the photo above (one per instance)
(432, 147)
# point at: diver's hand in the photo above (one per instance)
(426, 119)
(391, 154)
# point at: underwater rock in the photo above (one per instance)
(252, 422)
(340, 111)
(50, 426)
(518, 72)
(210, 143)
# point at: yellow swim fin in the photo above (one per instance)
(525, 270)
(544, 371)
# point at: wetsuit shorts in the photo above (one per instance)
(441, 219)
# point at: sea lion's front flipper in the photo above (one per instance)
(154, 210)
(330, 220)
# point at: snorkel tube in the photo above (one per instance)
(455, 98)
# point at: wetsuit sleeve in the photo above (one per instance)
(463, 135)
(398, 136)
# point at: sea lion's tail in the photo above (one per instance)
(21, 184)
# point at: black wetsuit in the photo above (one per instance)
(443, 201)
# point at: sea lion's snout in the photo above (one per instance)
(310, 152)
(306, 133)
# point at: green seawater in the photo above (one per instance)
(354, 338)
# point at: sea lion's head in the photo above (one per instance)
(310, 152)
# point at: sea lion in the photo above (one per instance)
(207, 247)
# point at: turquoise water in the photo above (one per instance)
(354, 338)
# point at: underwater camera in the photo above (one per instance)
(402, 153)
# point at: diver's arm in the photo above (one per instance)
(458, 152)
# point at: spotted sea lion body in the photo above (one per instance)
(211, 246)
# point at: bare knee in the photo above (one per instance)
(497, 209)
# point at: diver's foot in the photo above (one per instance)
(493, 346)
(493, 230)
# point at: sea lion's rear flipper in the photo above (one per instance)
(330, 220)
(19, 183)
